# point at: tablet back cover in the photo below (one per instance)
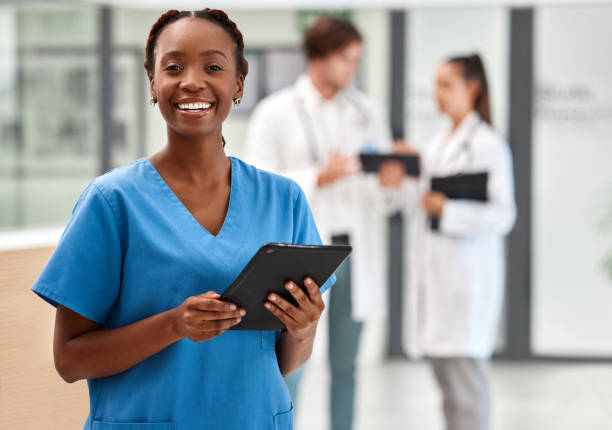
(272, 266)
(372, 162)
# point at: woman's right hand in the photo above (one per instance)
(82, 349)
(203, 317)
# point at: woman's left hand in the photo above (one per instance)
(301, 320)
(433, 203)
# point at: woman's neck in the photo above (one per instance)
(458, 119)
(199, 161)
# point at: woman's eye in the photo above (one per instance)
(214, 68)
(173, 68)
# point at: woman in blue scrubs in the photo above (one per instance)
(139, 270)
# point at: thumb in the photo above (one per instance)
(211, 294)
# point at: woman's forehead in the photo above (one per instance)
(194, 34)
(449, 69)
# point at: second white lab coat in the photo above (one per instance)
(278, 140)
(456, 276)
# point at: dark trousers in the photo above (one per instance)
(344, 334)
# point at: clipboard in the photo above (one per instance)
(268, 271)
(371, 163)
(470, 186)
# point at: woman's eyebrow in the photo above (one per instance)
(172, 54)
(202, 54)
(211, 52)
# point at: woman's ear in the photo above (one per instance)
(152, 89)
(474, 88)
(239, 87)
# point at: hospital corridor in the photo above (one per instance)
(305, 215)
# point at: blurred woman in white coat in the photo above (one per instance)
(312, 132)
(456, 271)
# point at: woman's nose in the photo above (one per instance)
(193, 80)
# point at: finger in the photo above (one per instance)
(347, 158)
(211, 294)
(348, 164)
(314, 292)
(386, 166)
(297, 293)
(217, 325)
(219, 315)
(205, 303)
(397, 170)
(393, 171)
(280, 314)
(285, 306)
(353, 165)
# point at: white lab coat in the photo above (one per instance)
(279, 139)
(456, 276)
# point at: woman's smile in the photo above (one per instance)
(194, 108)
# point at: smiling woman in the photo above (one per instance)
(224, 69)
(151, 246)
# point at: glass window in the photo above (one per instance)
(49, 109)
(435, 34)
(572, 182)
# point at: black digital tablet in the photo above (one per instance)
(268, 271)
(371, 162)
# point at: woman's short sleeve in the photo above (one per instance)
(305, 230)
(84, 272)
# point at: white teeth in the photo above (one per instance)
(194, 106)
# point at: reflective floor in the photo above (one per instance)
(535, 396)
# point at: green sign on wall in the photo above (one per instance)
(306, 17)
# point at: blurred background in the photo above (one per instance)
(74, 104)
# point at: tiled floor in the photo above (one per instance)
(535, 396)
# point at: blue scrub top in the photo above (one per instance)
(132, 250)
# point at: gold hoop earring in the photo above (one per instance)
(237, 101)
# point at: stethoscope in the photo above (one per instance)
(307, 123)
(466, 148)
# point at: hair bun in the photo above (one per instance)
(476, 59)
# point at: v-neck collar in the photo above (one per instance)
(230, 217)
(453, 143)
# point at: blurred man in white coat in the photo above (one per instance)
(312, 132)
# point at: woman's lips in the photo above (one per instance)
(194, 109)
